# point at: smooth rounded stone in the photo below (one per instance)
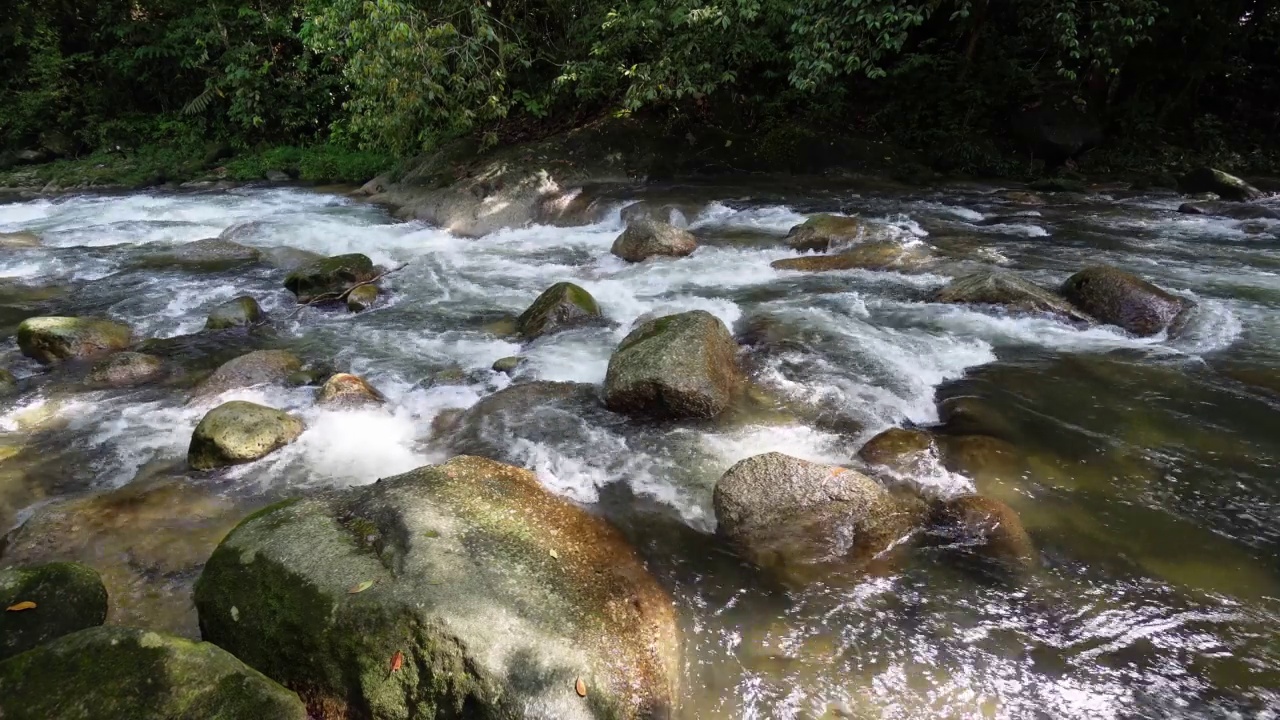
(985, 459)
(107, 673)
(678, 366)
(877, 255)
(1004, 289)
(68, 597)
(646, 239)
(287, 258)
(8, 383)
(1234, 211)
(1119, 298)
(240, 432)
(498, 595)
(237, 312)
(828, 232)
(344, 390)
(533, 411)
(127, 368)
(1210, 180)
(506, 365)
(986, 529)
(900, 450)
(975, 415)
(676, 213)
(259, 367)
(362, 298)
(18, 240)
(211, 254)
(50, 339)
(330, 277)
(560, 307)
(789, 514)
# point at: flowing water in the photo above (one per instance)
(1149, 480)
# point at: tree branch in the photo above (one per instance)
(340, 297)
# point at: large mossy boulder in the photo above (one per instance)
(678, 366)
(60, 598)
(213, 254)
(1119, 298)
(1225, 186)
(649, 238)
(51, 339)
(461, 590)
(237, 312)
(560, 307)
(346, 391)
(110, 673)
(875, 255)
(798, 517)
(986, 530)
(127, 368)
(240, 432)
(1008, 291)
(330, 277)
(830, 232)
(259, 367)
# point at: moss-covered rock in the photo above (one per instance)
(678, 366)
(237, 312)
(899, 449)
(239, 432)
(106, 673)
(650, 238)
(498, 596)
(506, 365)
(344, 390)
(259, 367)
(1009, 291)
(559, 307)
(1228, 187)
(67, 596)
(50, 339)
(212, 254)
(330, 277)
(1119, 298)
(986, 529)
(830, 232)
(127, 368)
(875, 255)
(362, 298)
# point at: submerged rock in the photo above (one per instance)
(900, 450)
(1235, 211)
(1119, 298)
(65, 597)
(507, 365)
(50, 339)
(878, 255)
(649, 238)
(344, 390)
(829, 232)
(256, 368)
(560, 307)
(105, 673)
(207, 254)
(535, 412)
(502, 600)
(986, 529)
(362, 298)
(1228, 187)
(678, 366)
(995, 287)
(330, 277)
(127, 368)
(237, 312)
(239, 432)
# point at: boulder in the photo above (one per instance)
(560, 307)
(900, 450)
(678, 366)
(532, 412)
(786, 514)
(362, 298)
(995, 287)
(239, 432)
(829, 232)
(507, 365)
(18, 240)
(348, 391)
(877, 255)
(1235, 211)
(986, 529)
(646, 239)
(50, 339)
(237, 312)
(127, 368)
(330, 277)
(676, 213)
(105, 673)
(459, 590)
(988, 460)
(256, 368)
(1228, 187)
(64, 597)
(1119, 298)
(209, 254)
(285, 257)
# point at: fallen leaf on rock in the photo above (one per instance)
(360, 588)
(580, 687)
(19, 607)
(397, 661)
(555, 554)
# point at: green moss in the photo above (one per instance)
(241, 311)
(68, 597)
(559, 307)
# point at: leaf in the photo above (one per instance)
(555, 554)
(397, 661)
(19, 607)
(360, 588)
(581, 687)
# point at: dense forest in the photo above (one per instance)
(369, 80)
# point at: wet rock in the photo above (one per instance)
(986, 459)
(986, 528)
(240, 432)
(900, 450)
(211, 254)
(677, 214)
(18, 240)
(127, 368)
(1019, 197)
(1122, 299)
(362, 298)
(530, 411)
(643, 240)
(238, 312)
(287, 258)
(330, 277)
(507, 365)
(276, 176)
(256, 368)
(560, 307)
(572, 208)
(1235, 211)
(995, 287)
(445, 423)
(678, 366)
(886, 255)
(975, 415)
(829, 232)
(8, 383)
(344, 390)
(1228, 187)
(67, 596)
(105, 673)
(498, 596)
(786, 513)
(1058, 185)
(50, 339)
